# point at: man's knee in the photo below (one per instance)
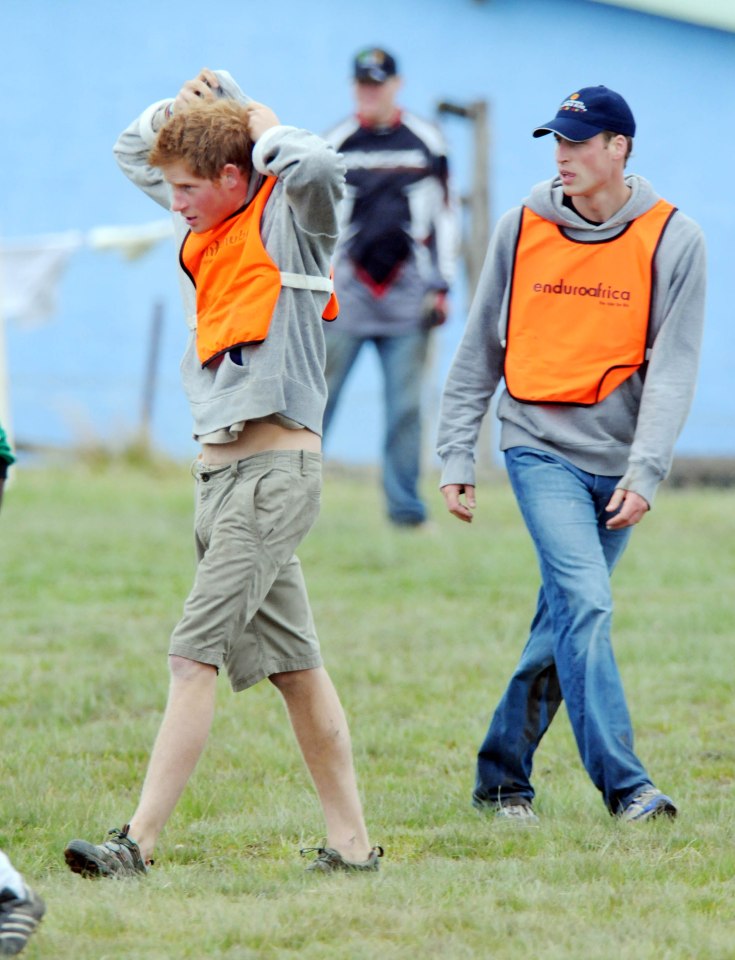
(294, 681)
(181, 668)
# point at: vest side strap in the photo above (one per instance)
(305, 281)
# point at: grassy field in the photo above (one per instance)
(420, 632)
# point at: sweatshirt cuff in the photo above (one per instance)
(458, 468)
(151, 120)
(641, 480)
(262, 144)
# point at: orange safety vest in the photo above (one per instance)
(237, 282)
(579, 312)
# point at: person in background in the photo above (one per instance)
(6, 459)
(393, 266)
(21, 909)
(591, 307)
(255, 202)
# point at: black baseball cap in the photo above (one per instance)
(589, 111)
(373, 65)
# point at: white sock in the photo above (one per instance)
(10, 878)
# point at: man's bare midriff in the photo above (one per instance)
(256, 437)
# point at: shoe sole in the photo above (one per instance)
(81, 857)
(498, 814)
(344, 868)
(665, 808)
(517, 821)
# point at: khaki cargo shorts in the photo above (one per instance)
(248, 608)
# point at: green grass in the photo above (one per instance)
(420, 633)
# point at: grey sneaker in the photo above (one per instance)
(647, 805)
(515, 809)
(520, 813)
(19, 919)
(118, 857)
(330, 861)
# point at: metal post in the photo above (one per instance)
(476, 237)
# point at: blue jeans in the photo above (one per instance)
(403, 361)
(569, 653)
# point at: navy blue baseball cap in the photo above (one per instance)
(374, 65)
(589, 111)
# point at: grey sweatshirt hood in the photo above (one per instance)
(546, 199)
(230, 87)
(232, 90)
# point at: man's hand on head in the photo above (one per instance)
(260, 119)
(203, 87)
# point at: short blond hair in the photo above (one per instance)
(205, 136)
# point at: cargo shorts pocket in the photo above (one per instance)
(285, 505)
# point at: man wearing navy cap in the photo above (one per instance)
(393, 264)
(590, 307)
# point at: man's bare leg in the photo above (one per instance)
(181, 739)
(321, 730)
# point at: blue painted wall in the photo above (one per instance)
(76, 71)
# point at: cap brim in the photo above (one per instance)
(569, 128)
(371, 76)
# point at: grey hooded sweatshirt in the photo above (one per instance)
(632, 432)
(282, 376)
